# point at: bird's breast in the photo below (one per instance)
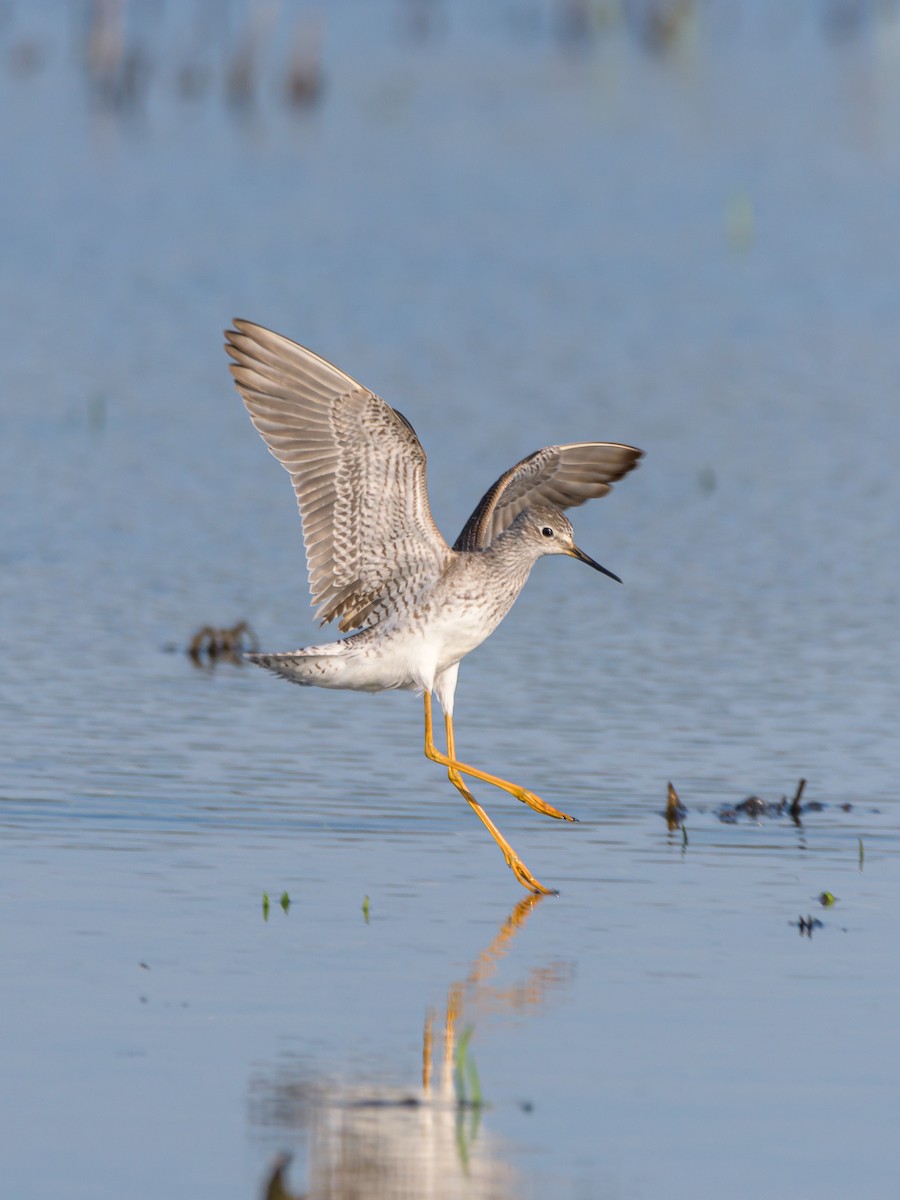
(457, 617)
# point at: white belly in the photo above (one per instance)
(379, 659)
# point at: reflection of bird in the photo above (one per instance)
(383, 1142)
(376, 559)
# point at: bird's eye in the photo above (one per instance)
(547, 531)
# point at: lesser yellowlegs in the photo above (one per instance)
(376, 559)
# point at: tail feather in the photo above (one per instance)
(311, 666)
(298, 666)
(349, 663)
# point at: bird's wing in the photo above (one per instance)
(563, 476)
(358, 471)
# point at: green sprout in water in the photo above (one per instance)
(862, 854)
(465, 1074)
(468, 1098)
(365, 909)
(285, 902)
(265, 906)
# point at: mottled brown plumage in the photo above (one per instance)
(376, 559)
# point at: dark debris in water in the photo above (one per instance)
(807, 924)
(210, 645)
(756, 808)
(675, 810)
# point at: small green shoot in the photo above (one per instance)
(469, 1099)
(265, 906)
(285, 902)
(365, 909)
(862, 854)
(465, 1074)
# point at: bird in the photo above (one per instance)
(412, 606)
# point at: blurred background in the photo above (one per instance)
(672, 223)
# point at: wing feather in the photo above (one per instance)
(564, 476)
(359, 475)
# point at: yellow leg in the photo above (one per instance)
(513, 861)
(520, 793)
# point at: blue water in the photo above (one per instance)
(517, 236)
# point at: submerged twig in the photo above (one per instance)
(795, 809)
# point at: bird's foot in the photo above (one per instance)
(538, 804)
(526, 878)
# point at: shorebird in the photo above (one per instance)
(413, 606)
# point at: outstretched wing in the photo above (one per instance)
(560, 475)
(358, 471)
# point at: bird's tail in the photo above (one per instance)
(313, 666)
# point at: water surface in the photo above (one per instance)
(518, 236)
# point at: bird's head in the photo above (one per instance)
(549, 531)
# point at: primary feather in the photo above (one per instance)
(358, 471)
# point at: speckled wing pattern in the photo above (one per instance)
(564, 476)
(358, 471)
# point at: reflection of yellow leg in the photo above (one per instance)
(486, 963)
(448, 760)
(454, 1007)
(427, 1041)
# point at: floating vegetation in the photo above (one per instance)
(285, 903)
(209, 645)
(826, 899)
(365, 909)
(862, 854)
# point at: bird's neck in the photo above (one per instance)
(508, 560)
